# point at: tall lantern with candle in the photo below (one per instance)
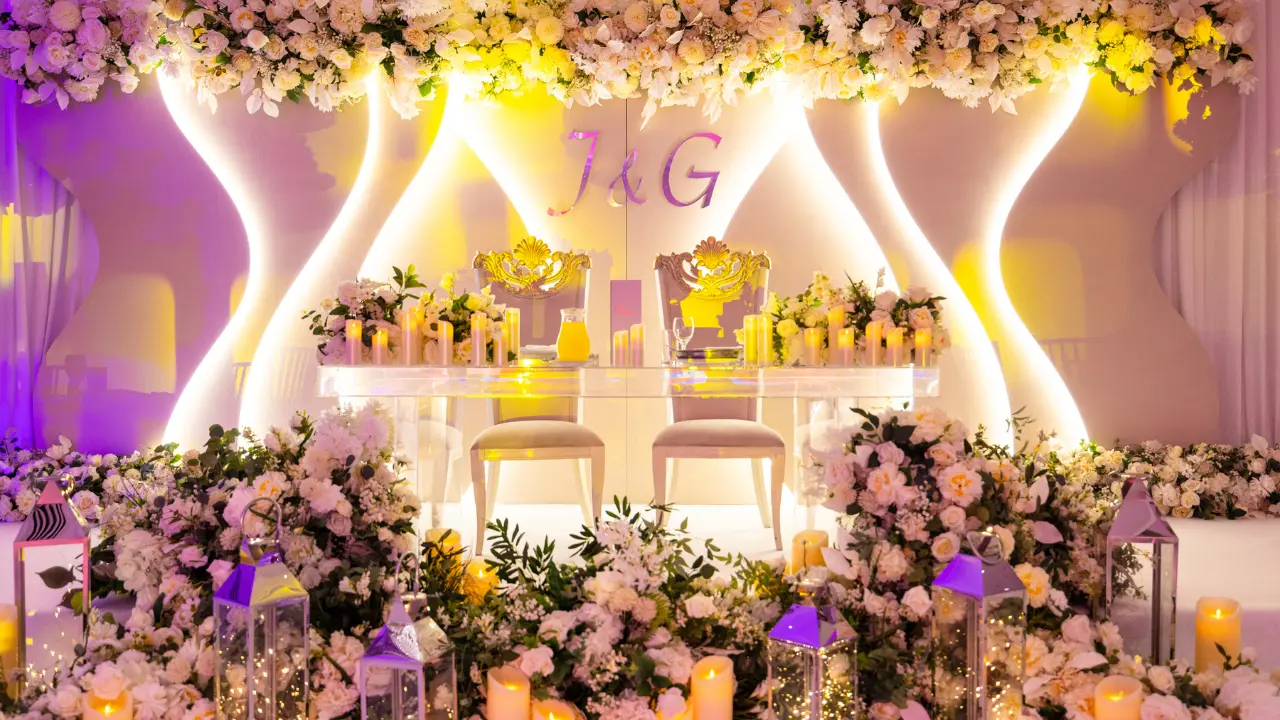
(803, 647)
(261, 616)
(404, 678)
(1142, 574)
(50, 557)
(979, 635)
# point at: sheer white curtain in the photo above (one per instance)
(48, 258)
(1218, 257)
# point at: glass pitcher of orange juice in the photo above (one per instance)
(572, 344)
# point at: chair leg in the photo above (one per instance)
(493, 469)
(674, 479)
(584, 495)
(439, 484)
(778, 468)
(478, 494)
(660, 483)
(597, 482)
(757, 476)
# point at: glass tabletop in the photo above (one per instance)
(627, 382)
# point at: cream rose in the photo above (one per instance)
(946, 546)
(243, 19)
(549, 31)
(65, 15)
(787, 328)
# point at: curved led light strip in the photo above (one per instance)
(256, 405)
(1058, 411)
(963, 317)
(202, 388)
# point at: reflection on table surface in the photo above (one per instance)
(626, 382)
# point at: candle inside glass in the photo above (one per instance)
(813, 347)
(895, 347)
(1117, 697)
(116, 708)
(512, 320)
(847, 345)
(751, 340)
(924, 347)
(508, 694)
(410, 338)
(554, 710)
(499, 345)
(479, 339)
(481, 578)
(636, 342)
(622, 348)
(381, 354)
(355, 342)
(711, 688)
(806, 549)
(765, 337)
(444, 342)
(1217, 623)
(835, 319)
(875, 343)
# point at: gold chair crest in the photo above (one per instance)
(532, 270)
(712, 271)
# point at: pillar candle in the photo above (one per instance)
(479, 339)
(813, 347)
(896, 351)
(8, 641)
(847, 345)
(499, 345)
(622, 348)
(875, 336)
(96, 708)
(512, 320)
(1217, 623)
(711, 690)
(1118, 697)
(750, 340)
(766, 340)
(508, 694)
(551, 709)
(806, 549)
(637, 345)
(410, 338)
(381, 355)
(444, 343)
(355, 342)
(445, 538)
(924, 347)
(481, 579)
(835, 319)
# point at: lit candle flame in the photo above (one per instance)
(1115, 696)
(1217, 614)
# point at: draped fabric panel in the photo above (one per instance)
(48, 259)
(1218, 252)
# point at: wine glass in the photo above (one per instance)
(682, 330)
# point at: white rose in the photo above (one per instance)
(536, 661)
(220, 570)
(1190, 499)
(1078, 629)
(892, 564)
(953, 517)
(887, 299)
(65, 15)
(92, 35)
(1161, 678)
(107, 681)
(1164, 707)
(66, 701)
(671, 703)
(256, 39)
(700, 606)
(918, 601)
(193, 556)
(243, 19)
(946, 545)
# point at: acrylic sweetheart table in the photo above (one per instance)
(423, 399)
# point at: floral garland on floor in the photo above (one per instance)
(618, 628)
(586, 51)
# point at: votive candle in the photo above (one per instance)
(381, 355)
(1117, 697)
(410, 338)
(1217, 623)
(511, 318)
(924, 347)
(806, 549)
(499, 345)
(622, 348)
(813, 347)
(444, 341)
(847, 345)
(751, 340)
(636, 342)
(116, 708)
(355, 342)
(711, 688)
(835, 319)
(766, 340)
(896, 350)
(875, 339)
(552, 709)
(508, 694)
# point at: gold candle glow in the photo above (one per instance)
(711, 688)
(1217, 623)
(896, 350)
(875, 338)
(924, 347)
(847, 346)
(813, 347)
(8, 641)
(751, 340)
(508, 696)
(116, 708)
(479, 339)
(355, 342)
(410, 338)
(511, 318)
(835, 319)
(636, 342)
(766, 340)
(622, 348)
(806, 549)
(444, 343)
(445, 538)
(381, 355)
(1118, 697)
(480, 580)
(551, 709)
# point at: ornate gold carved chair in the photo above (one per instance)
(717, 287)
(540, 283)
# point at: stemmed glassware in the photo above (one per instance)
(682, 330)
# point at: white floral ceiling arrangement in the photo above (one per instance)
(666, 52)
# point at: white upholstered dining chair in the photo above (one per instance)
(717, 287)
(540, 283)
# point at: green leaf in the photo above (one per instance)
(56, 578)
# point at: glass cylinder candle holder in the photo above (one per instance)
(765, 337)
(499, 345)
(444, 342)
(511, 318)
(622, 348)
(636, 343)
(895, 347)
(410, 338)
(846, 346)
(381, 354)
(1142, 574)
(875, 343)
(924, 347)
(804, 648)
(812, 347)
(979, 635)
(479, 339)
(751, 340)
(261, 616)
(355, 342)
(835, 319)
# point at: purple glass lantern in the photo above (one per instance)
(50, 555)
(262, 628)
(979, 635)
(1142, 574)
(403, 678)
(813, 661)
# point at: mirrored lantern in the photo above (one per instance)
(813, 663)
(408, 671)
(261, 626)
(979, 635)
(51, 585)
(1142, 574)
